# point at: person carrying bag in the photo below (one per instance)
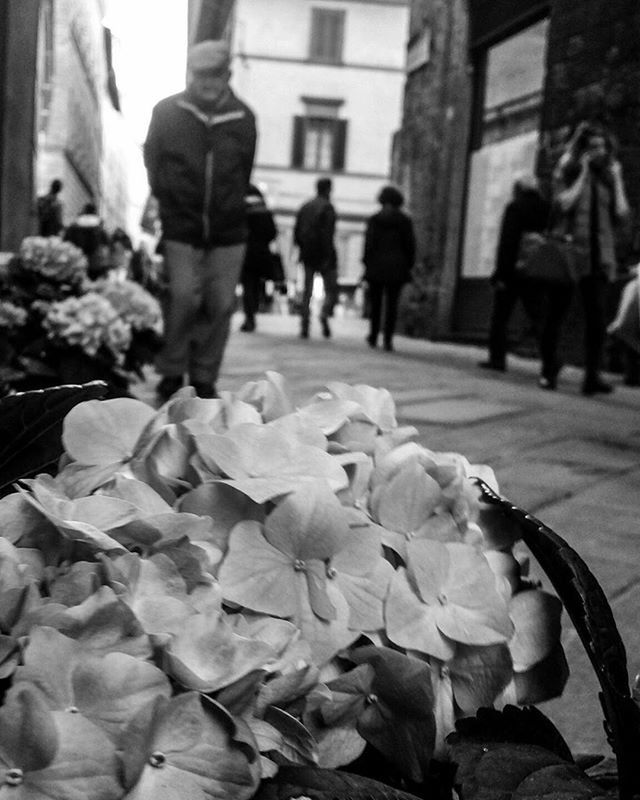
(547, 260)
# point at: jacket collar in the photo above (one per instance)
(228, 111)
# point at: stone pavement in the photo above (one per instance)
(573, 462)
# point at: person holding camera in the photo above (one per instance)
(590, 201)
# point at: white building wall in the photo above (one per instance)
(70, 147)
(272, 73)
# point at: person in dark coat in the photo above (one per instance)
(258, 258)
(199, 154)
(87, 232)
(389, 255)
(527, 212)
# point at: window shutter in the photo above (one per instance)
(297, 151)
(327, 35)
(339, 144)
(337, 36)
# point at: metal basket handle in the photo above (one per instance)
(590, 612)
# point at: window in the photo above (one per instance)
(319, 137)
(45, 67)
(327, 35)
(505, 139)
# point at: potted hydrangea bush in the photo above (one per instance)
(204, 598)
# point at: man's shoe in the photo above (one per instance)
(248, 326)
(304, 329)
(168, 386)
(371, 341)
(326, 330)
(207, 391)
(497, 366)
(388, 346)
(547, 383)
(593, 386)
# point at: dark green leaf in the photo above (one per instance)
(512, 724)
(31, 429)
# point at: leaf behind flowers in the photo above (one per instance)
(515, 753)
(31, 428)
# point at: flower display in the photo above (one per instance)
(11, 315)
(52, 258)
(134, 305)
(210, 590)
(89, 322)
(58, 327)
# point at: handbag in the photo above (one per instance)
(547, 257)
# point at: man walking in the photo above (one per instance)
(313, 234)
(199, 155)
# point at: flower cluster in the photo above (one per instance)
(89, 322)
(223, 586)
(134, 304)
(54, 259)
(11, 315)
(49, 305)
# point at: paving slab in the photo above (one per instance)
(457, 411)
(532, 484)
(593, 454)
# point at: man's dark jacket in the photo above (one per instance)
(199, 165)
(314, 232)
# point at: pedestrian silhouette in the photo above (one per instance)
(87, 232)
(389, 255)
(526, 212)
(50, 211)
(314, 234)
(258, 261)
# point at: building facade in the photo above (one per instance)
(18, 49)
(325, 78)
(81, 138)
(503, 86)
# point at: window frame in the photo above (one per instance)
(338, 129)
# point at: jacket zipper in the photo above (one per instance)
(208, 188)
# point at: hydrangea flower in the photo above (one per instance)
(91, 323)
(132, 302)
(53, 258)
(11, 315)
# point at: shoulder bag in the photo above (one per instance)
(547, 257)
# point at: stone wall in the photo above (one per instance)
(18, 45)
(593, 69)
(431, 154)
